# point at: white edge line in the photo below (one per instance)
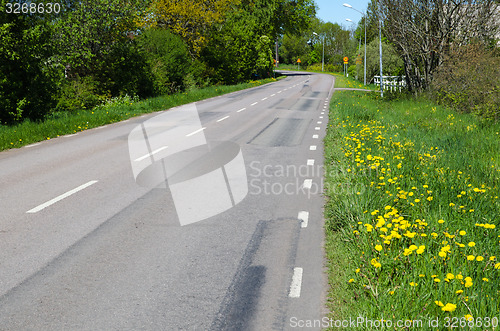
(242, 109)
(195, 132)
(296, 283)
(150, 154)
(62, 196)
(304, 218)
(221, 119)
(32, 145)
(307, 183)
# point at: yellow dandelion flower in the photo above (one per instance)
(459, 292)
(479, 258)
(449, 307)
(462, 233)
(378, 247)
(470, 257)
(468, 317)
(439, 303)
(471, 244)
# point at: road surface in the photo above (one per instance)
(84, 247)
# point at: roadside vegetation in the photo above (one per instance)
(412, 213)
(92, 52)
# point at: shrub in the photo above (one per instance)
(79, 93)
(27, 74)
(168, 59)
(469, 80)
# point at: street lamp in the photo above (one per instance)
(380, 48)
(350, 21)
(349, 6)
(359, 49)
(323, 57)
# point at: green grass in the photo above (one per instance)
(412, 198)
(115, 110)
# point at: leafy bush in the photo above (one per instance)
(27, 73)
(79, 93)
(125, 71)
(469, 80)
(168, 59)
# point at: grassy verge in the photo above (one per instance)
(115, 110)
(412, 217)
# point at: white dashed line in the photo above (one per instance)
(253, 104)
(195, 132)
(151, 154)
(307, 183)
(296, 283)
(317, 128)
(59, 198)
(312, 147)
(32, 145)
(273, 94)
(315, 136)
(304, 218)
(310, 162)
(319, 122)
(221, 119)
(321, 117)
(242, 109)
(279, 92)
(263, 99)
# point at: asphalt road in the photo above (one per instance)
(83, 246)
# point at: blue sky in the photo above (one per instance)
(333, 11)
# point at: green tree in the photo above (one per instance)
(167, 57)
(27, 71)
(392, 63)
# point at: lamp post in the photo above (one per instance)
(350, 21)
(323, 57)
(359, 49)
(380, 48)
(364, 60)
